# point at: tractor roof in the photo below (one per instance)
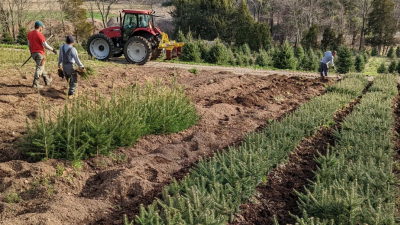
(136, 11)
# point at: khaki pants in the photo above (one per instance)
(40, 71)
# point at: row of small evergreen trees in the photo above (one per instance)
(22, 38)
(279, 57)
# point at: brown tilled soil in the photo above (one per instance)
(278, 198)
(106, 188)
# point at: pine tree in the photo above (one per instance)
(359, 63)
(329, 38)
(284, 58)
(7, 39)
(398, 67)
(218, 54)
(244, 23)
(398, 52)
(22, 37)
(381, 24)
(345, 60)
(190, 52)
(374, 51)
(299, 52)
(76, 14)
(391, 53)
(261, 37)
(392, 67)
(382, 68)
(310, 38)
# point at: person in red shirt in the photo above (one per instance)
(37, 44)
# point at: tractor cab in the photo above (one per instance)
(136, 38)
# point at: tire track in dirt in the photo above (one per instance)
(278, 197)
(105, 188)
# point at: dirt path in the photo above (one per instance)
(105, 188)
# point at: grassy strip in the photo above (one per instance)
(87, 127)
(215, 188)
(13, 46)
(354, 182)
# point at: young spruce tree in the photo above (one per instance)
(284, 57)
(345, 60)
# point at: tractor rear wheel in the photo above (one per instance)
(156, 54)
(100, 47)
(137, 50)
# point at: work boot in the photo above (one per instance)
(36, 84)
(47, 80)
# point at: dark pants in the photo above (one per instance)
(72, 77)
(324, 69)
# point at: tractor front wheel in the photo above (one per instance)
(100, 47)
(137, 50)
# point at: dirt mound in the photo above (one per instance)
(105, 188)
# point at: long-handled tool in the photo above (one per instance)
(31, 55)
(26, 61)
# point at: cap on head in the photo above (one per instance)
(39, 24)
(69, 39)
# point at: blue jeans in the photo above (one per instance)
(324, 69)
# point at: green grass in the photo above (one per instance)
(97, 15)
(374, 63)
(215, 188)
(13, 46)
(354, 182)
(97, 125)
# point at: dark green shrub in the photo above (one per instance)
(392, 67)
(231, 58)
(366, 57)
(398, 51)
(360, 63)
(218, 54)
(345, 61)
(84, 44)
(374, 51)
(284, 57)
(180, 37)
(310, 38)
(382, 68)
(22, 37)
(398, 67)
(7, 39)
(391, 54)
(190, 52)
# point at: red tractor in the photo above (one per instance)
(136, 38)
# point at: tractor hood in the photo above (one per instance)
(108, 29)
(112, 32)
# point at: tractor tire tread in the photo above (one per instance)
(107, 39)
(147, 45)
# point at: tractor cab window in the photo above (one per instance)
(130, 24)
(143, 20)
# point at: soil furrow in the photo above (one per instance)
(108, 187)
(277, 198)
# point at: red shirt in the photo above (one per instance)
(36, 40)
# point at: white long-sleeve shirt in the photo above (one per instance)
(328, 58)
(72, 57)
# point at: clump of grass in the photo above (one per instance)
(90, 126)
(194, 70)
(13, 198)
(86, 73)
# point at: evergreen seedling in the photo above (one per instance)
(392, 67)
(398, 51)
(345, 60)
(360, 63)
(284, 57)
(391, 53)
(382, 68)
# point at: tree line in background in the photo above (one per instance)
(277, 56)
(370, 22)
